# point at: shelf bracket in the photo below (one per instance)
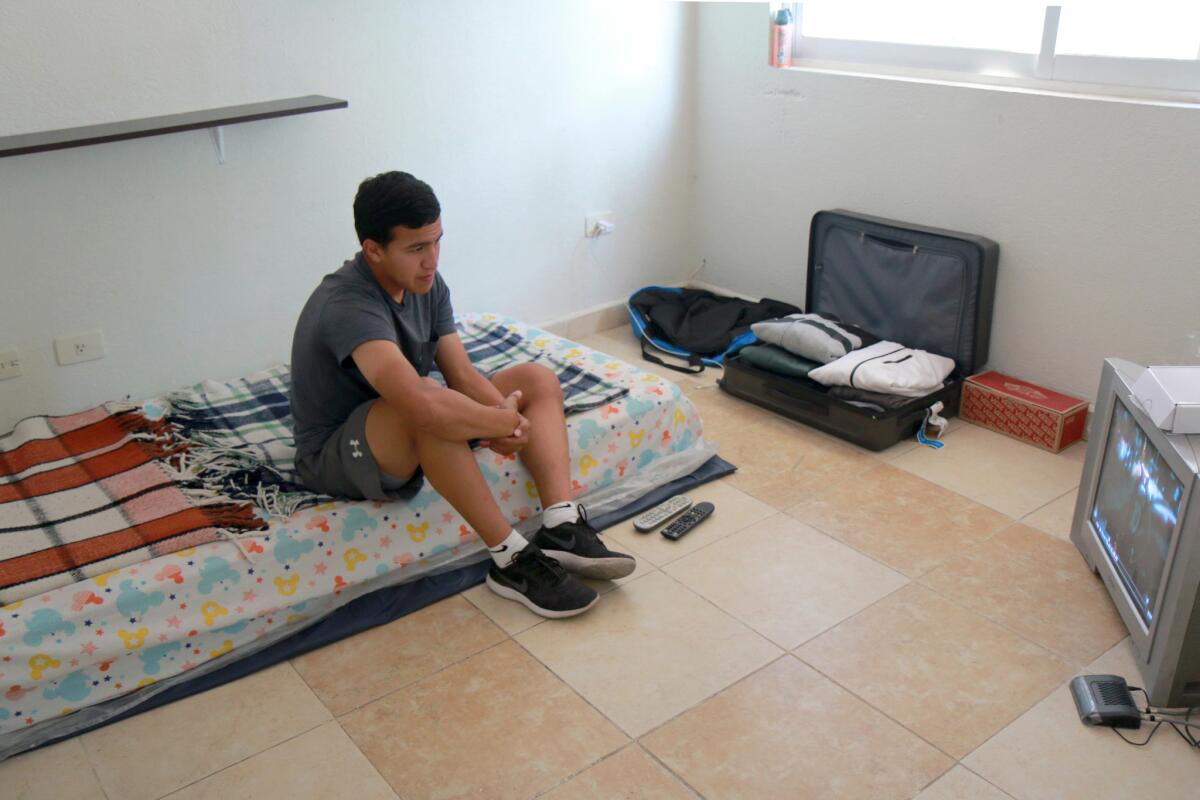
(213, 119)
(219, 140)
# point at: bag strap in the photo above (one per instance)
(695, 368)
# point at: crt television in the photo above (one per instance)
(1137, 522)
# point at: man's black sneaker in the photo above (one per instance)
(577, 546)
(541, 585)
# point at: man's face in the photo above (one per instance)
(409, 261)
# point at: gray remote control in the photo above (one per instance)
(691, 519)
(661, 513)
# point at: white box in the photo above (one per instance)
(1171, 397)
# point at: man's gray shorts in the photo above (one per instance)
(345, 467)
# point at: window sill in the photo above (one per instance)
(1077, 91)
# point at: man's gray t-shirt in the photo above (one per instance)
(349, 307)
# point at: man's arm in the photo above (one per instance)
(446, 413)
(461, 375)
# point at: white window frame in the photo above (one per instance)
(1174, 80)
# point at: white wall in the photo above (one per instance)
(1095, 204)
(523, 115)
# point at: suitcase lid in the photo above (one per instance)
(925, 288)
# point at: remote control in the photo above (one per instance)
(661, 513)
(691, 519)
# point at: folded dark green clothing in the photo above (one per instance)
(775, 359)
(883, 401)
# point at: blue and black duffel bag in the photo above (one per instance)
(697, 326)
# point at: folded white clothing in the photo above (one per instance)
(813, 336)
(887, 367)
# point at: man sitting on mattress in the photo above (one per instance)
(370, 425)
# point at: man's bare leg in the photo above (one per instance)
(450, 467)
(546, 456)
(533, 580)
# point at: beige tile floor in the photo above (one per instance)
(847, 625)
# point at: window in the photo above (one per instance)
(1148, 44)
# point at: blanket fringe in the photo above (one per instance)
(234, 516)
(214, 472)
(236, 541)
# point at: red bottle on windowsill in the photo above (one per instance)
(781, 39)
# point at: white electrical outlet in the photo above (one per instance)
(599, 224)
(80, 347)
(10, 364)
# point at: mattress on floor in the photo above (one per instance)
(65, 651)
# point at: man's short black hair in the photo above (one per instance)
(390, 199)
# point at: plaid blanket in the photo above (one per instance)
(85, 494)
(239, 433)
(492, 348)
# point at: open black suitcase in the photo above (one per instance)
(925, 288)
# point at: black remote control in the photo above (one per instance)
(699, 513)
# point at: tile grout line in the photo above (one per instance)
(626, 733)
(1005, 725)
(638, 744)
(898, 722)
(366, 758)
(787, 513)
(844, 620)
(1066, 658)
(635, 739)
(831, 626)
(935, 779)
(722, 611)
(792, 652)
(786, 652)
(340, 719)
(704, 700)
(411, 683)
(677, 559)
(1011, 522)
(270, 747)
(999, 789)
(481, 610)
(470, 655)
(891, 462)
(104, 788)
(773, 661)
(632, 743)
(873, 707)
(895, 569)
(1074, 488)
(586, 702)
(1075, 668)
(280, 743)
(869, 704)
(92, 767)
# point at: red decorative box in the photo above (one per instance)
(1023, 410)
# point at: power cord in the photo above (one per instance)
(1177, 718)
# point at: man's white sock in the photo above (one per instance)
(560, 513)
(503, 553)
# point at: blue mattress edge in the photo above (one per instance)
(386, 605)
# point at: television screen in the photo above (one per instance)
(1136, 510)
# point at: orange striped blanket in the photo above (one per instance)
(87, 493)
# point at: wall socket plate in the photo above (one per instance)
(10, 364)
(80, 347)
(600, 223)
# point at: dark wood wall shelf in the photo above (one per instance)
(171, 123)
